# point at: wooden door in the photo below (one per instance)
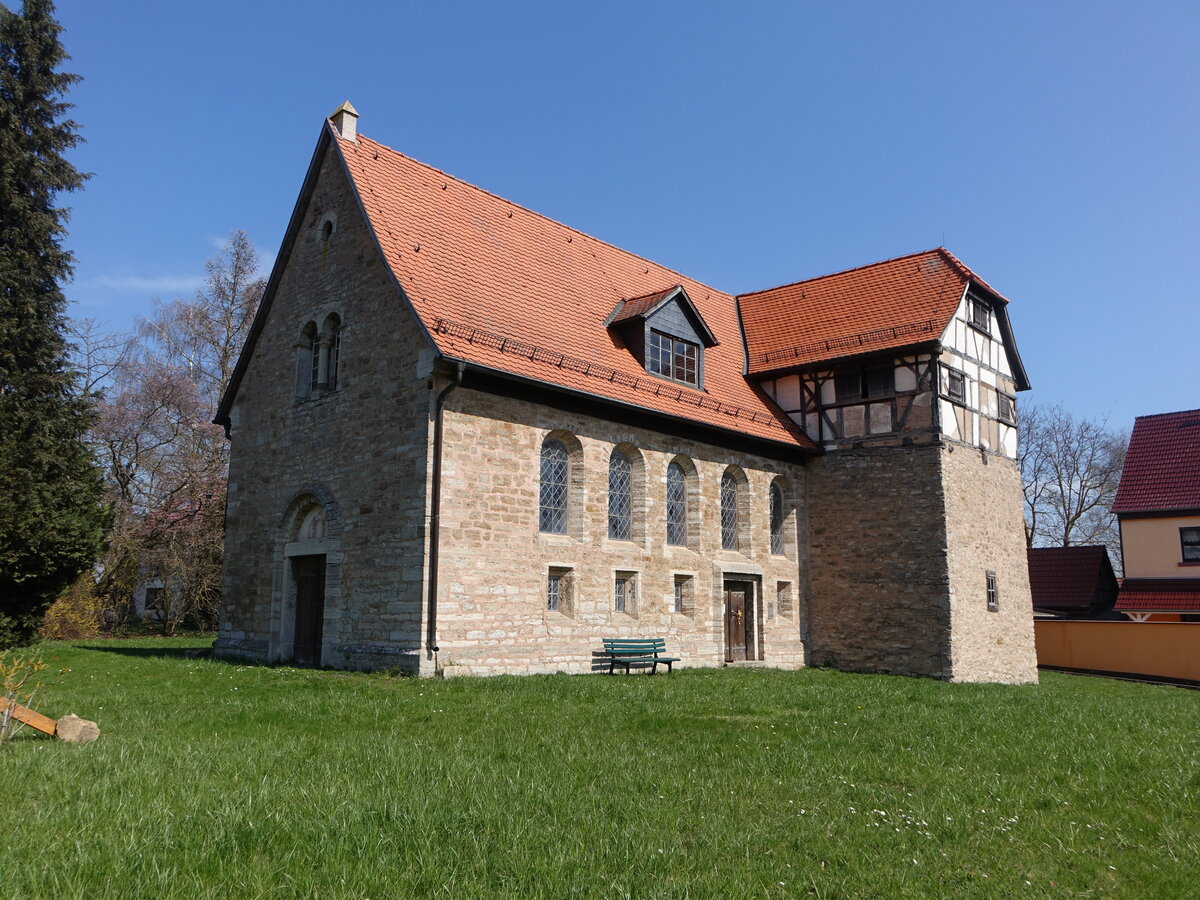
(309, 575)
(735, 620)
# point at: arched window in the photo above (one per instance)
(335, 353)
(620, 499)
(676, 505)
(306, 361)
(316, 363)
(776, 520)
(729, 512)
(555, 475)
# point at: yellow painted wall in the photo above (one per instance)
(1166, 649)
(1151, 547)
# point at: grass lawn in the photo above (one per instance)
(219, 780)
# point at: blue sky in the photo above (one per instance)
(1053, 147)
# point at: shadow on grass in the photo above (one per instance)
(167, 652)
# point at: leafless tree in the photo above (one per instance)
(167, 463)
(1070, 469)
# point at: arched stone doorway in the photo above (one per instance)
(307, 614)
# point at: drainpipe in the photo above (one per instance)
(436, 509)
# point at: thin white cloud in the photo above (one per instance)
(164, 283)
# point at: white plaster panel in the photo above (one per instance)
(880, 418)
(906, 379)
(949, 420)
(787, 392)
(853, 421)
(827, 392)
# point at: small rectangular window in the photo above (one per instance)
(956, 385)
(1189, 541)
(880, 381)
(1008, 408)
(673, 358)
(993, 593)
(153, 595)
(847, 385)
(559, 583)
(625, 593)
(783, 598)
(682, 602)
(861, 383)
(981, 315)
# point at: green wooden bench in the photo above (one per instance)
(633, 652)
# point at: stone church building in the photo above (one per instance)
(467, 439)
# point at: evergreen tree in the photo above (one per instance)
(52, 518)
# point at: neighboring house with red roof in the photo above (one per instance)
(469, 439)
(1073, 582)
(1158, 511)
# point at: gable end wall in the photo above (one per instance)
(361, 450)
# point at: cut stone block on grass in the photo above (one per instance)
(75, 730)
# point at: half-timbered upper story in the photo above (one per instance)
(909, 351)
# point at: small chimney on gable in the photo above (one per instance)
(345, 120)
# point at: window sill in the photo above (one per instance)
(1190, 563)
(984, 331)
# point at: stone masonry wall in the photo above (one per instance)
(880, 592)
(361, 451)
(986, 533)
(493, 615)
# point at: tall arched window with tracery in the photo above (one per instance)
(777, 545)
(676, 505)
(729, 512)
(555, 475)
(620, 497)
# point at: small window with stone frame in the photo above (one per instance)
(1189, 544)
(783, 599)
(683, 600)
(625, 593)
(993, 593)
(560, 583)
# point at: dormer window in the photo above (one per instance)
(665, 333)
(981, 315)
(672, 358)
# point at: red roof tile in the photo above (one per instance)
(505, 288)
(1160, 594)
(1070, 577)
(639, 306)
(1162, 465)
(894, 303)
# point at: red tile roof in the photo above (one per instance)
(1160, 595)
(1070, 577)
(507, 289)
(894, 303)
(639, 306)
(1162, 465)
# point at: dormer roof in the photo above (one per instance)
(644, 308)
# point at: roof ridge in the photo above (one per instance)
(853, 269)
(533, 212)
(1179, 412)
